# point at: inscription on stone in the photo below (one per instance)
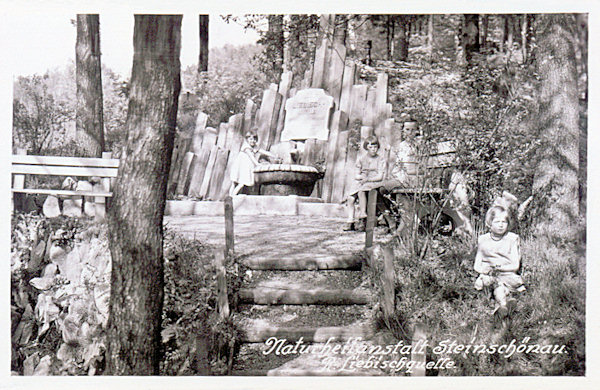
(307, 115)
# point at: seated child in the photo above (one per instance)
(498, 259)
(242, 171)
(370, 172)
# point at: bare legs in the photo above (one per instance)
(235, 189)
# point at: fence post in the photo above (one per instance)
(229, 240)
(18, 183)
(371, 207)
(222, 301)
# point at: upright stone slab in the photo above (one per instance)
(338, 123)
(339, 174)
(199, 132)
(350, 170)
(249, 116)
(197, 171)
(347, 82)
(267, 115)
(210, 137)
(320, 65)
(233, 130)
(307, 115)
(284, 90)
(370, 113)
(208, 173)
(222, 138)
(183, 175)
(218, 173)
(336, 71)
(358, 99)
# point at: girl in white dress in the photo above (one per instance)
(242, 171)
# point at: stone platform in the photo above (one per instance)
(258, 205)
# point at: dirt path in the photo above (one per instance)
(273, 237)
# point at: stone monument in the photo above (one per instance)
(307, 115)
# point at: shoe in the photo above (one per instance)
(348, 227)
(360, 225)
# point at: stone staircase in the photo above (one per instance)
(305, 283)
(318, 301)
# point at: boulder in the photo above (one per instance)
(51, 208)
(72, 207)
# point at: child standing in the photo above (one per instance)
(370, 172)
(242, 171)
(498, 259)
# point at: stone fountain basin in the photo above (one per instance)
(286, 179)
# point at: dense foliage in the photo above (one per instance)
(231, 79)
(60, 286)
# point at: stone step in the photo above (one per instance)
(318, 296)
(260, 332)
(303, 372)
(321, 262)
(283, 358)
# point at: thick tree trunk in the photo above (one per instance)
(470, 36)
(89, 121)
(203, 32)
(556, 181)
(136, 214)
(275, 44)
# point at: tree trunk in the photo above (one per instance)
(556, 181)
(403, 39)
(389, 33)
(89, 121)
(484, 30)
(524, 38)
(136, 214)
(470, 36)
(203, 32)
(430, 38)
(275, 44)
(582, 23)
(509, 29)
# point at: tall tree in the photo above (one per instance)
(485, 21)
(136, 213)
(89, 121)
(556, 179)
(470, 36)
(203, 32)
(403, 22)
(430, 37)
(275, 42)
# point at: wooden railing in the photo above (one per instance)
(104, 168)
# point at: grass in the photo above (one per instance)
(438, 292)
